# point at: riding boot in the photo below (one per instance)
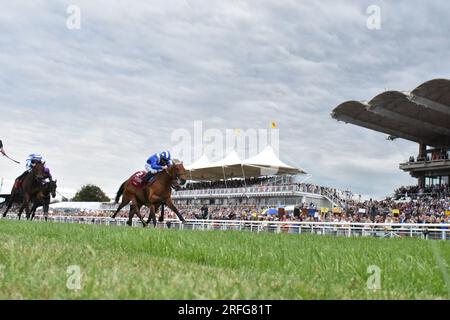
(147, 179)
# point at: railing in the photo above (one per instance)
(227, 191)
(295, 189)
(336, 201)
(252, 190)
(379, 230)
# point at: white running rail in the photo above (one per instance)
(379, 230)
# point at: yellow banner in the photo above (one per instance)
(324, 210)
(395, 211)
(447, 212)
(337, 210)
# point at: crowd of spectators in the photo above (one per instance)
(423, 210)
(408, 205)
(415, 192)
(232, 183)
(435, 156)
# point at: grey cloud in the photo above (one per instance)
(97, 101)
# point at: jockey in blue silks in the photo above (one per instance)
(157, 163)
(30, 162)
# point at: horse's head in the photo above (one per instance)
(38, 170)
(178, 172)
(52, 188)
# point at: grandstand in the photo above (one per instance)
(262, 180)
(421, 116)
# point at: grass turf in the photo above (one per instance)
(137, 263)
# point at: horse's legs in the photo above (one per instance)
(10, 203)
(130, 216)
(123, 204)
(138, 212)
(33, 210)
(21, 210)
(133, 210)
(152, 214)
(161, 217)
(46, 208)
(172, 207)
(26, 203)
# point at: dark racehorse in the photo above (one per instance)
(30, 188)
(48, 190)
(154, 196)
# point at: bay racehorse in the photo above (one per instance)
(48, 190)
(28, 188)
(153, 195)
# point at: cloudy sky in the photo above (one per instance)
(97, 101)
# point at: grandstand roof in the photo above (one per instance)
(265, 163)
(422, 115)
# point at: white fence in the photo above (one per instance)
(424, 231)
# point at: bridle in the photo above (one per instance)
(174, 176)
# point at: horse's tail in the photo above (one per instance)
(120, 192)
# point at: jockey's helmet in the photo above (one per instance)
(165, 155)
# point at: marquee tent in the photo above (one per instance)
(266, 163)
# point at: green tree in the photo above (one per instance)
(90, 193)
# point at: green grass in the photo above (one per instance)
(137, 263)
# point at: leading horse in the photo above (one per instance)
(154, 195)
(29, 188)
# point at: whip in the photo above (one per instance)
(11, 159)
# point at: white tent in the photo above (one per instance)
(200, 163)
(266, 163)
(231, 159)
(229, 167)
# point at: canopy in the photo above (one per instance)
(266, 163)
(200, 163)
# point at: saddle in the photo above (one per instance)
(138, 180)
(18, 184)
